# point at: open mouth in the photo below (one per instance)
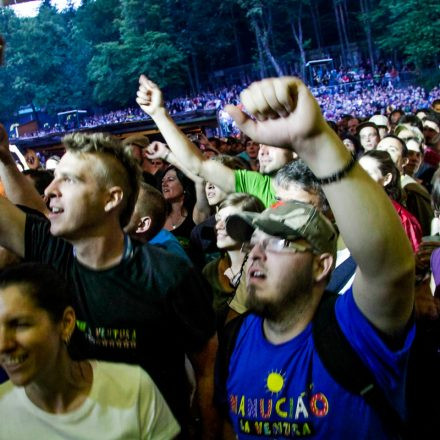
(12, 362)
(256, 274)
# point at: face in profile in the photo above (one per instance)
(214, 194)
(77, 196)
(224, 241)
(271, 159)
(30, 342)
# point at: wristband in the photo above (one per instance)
(339, 175)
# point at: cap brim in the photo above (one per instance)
(241, 226)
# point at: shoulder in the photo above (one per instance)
(117, 383)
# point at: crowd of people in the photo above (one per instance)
(338, 92)
(268, 285)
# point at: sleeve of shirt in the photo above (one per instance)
(388, 366)
(238, 303)
(155, 417)
(256, 184)
(41, 246)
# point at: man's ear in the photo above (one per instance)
(143, 225)
(115, 196)
(323, 266)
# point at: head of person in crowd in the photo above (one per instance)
(368, 135)
(38, 321)
(176, 186)
(381, 168)
(352, 125)
(236, 146)
(295, 181)
(32, 159)
(431, 130)
(136, 144)
(411, 121)
(421, 113)
(381, 123)
(214, 194)
(232, 204)
(149, 214)
(272, 158)
(436, 106)
(397, 150)
(94, 189)
(394, 117)
(352, 144)
(292, 250)
(252, 148)
(414, 141)
(41, 179)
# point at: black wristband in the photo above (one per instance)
(339, 175)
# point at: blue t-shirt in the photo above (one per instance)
(284, 391)
(166, 240)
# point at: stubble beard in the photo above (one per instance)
(288, 307)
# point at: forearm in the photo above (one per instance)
(186, 153)
(202, 209)
(19, 189)
(12, 226)
(368, 222)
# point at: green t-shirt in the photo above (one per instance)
(256, 184)
(148, 310)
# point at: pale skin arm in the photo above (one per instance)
(201, 210)
(149, 98)
(18, 188)
(287, 115)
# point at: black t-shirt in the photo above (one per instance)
(149, 309)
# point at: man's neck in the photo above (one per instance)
(100, 252)
(292, 322)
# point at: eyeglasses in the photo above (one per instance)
(273, 244)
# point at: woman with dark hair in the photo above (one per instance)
(224, 273)
(178, 192)
(50, 395)
(381, 168)
(352, 144)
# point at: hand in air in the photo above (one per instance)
(157, 150)
(285, 112)
(149, 96)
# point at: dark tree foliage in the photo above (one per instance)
(92, 56)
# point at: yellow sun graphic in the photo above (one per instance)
(275, 382)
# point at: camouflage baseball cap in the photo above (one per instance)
(290, 220)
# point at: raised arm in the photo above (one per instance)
(287, 115)
(18, 188)
(149, 98)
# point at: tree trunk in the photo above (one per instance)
(316, 25)
(263, 38)
(338, 26)
(298, 37)
(196, 72)
(261, 65)
(236, 39)
(190, 79)
(365, 11)
(344, 31)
